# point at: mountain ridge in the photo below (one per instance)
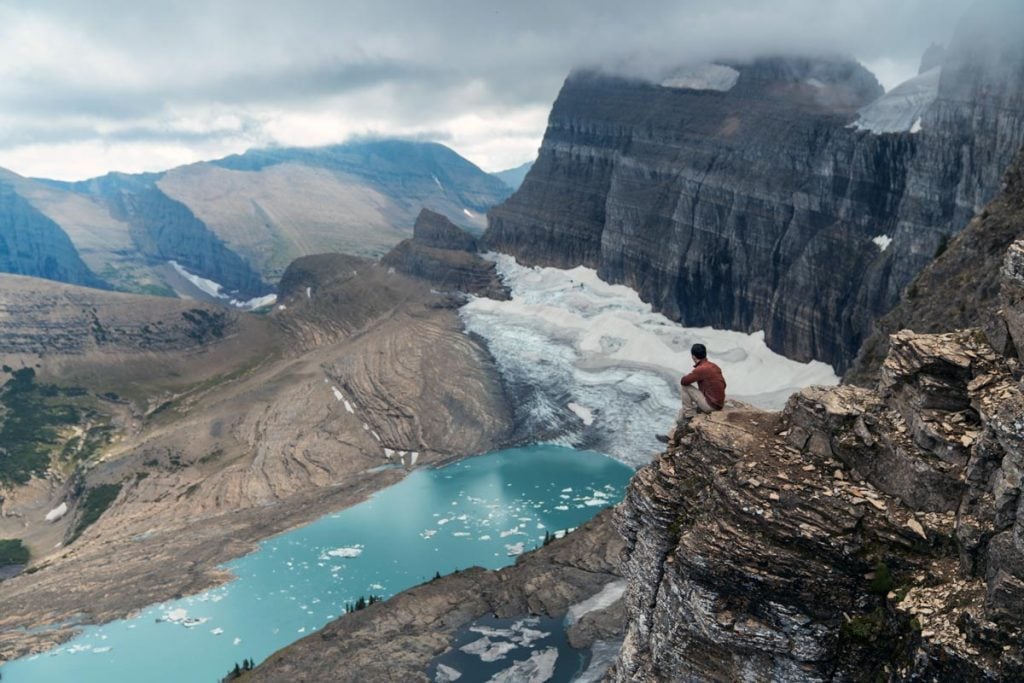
(240, 220)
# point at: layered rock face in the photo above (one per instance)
(444, 254)
(46, 319)
(965, 286)
(860, 534)
(757, 207)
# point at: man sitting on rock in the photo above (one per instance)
(709, 393)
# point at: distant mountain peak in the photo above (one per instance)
(513, 177)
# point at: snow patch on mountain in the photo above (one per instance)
(216, 290)
(703, 77)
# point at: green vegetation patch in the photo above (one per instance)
(205, 325)
(866, 627)
(12, 551)
(882, 581)
(362, 603)
(94, 504)
(34, 419)
(158, 290)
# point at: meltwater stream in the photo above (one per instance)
(481, 511)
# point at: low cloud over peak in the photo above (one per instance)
(145, 85)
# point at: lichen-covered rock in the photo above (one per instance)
(859, 534)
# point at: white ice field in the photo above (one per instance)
(592, 365)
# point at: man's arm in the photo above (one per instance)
(695, 376)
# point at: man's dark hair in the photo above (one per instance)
(699, 351)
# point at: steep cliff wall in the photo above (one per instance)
(32, 244)
(863, 533)
(961, 287)
(163, 229)
(760, 207)
(860, 535)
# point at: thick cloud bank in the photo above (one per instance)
(143, 85)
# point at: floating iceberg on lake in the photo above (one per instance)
(351, 551)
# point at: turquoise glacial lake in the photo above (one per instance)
(481, 511)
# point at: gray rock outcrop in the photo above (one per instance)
(761, 207)
(445, 255)
(1012, 295)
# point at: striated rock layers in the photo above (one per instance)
(758, 207)
(445, 255)
(47, 318)
(861, 534)
(225, 441)
(965, 286)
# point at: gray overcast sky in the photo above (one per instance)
(88, 87)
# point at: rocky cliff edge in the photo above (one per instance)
(861, 534)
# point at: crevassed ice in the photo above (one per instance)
(566, 338)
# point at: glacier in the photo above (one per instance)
(901, 109)
(591, 365)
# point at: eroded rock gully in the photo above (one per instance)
(860, 534)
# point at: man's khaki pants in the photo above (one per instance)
(693, 403)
